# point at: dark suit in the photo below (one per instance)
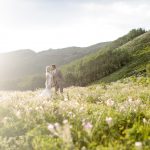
(58, 80)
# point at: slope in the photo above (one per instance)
(24, 65)
(132, 48)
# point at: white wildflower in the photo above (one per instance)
(130, 100)
(18, 114)
(56, 124)
(65, 121)
(41, 108)
(138, 145)
(81, 108)
(144, 120)
(79, 95)
(50, 127)
(37, 108)
(110, 102)
(109, 120)
(65, 99)
(83, 148)
(70, 113)
(5, 119)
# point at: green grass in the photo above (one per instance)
(97, 117)
(129, 56)
(136, 67)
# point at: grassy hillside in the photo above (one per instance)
(24, 68)
(97, 117)
(124, 57)
(139, 49)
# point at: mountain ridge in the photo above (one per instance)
(110, 59)
(19, 65)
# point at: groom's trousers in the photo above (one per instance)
(59, 86)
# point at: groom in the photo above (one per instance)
(58, 79)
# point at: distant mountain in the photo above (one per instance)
(126, 56)
(22, 65)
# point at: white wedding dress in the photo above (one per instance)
(48, 85)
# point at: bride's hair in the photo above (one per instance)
(48, 68)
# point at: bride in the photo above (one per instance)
(48, 84)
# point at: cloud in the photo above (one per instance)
(41, 24)
(119, 13)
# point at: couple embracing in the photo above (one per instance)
(54, 79)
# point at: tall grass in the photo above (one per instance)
(101, 116)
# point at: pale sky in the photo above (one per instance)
(44, 24)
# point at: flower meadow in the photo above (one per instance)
(114, 116)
